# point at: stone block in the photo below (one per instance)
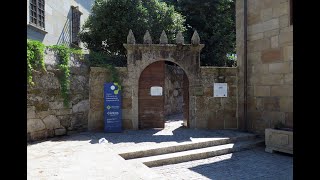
(260, 69)
(38, 135)
(82, 106)
(51, 122)
(262, 91)
(271, 24)
(126, 103)
(286, 38)
(271, 104)
(284, 90)
(271, 33)
(56, 105)
(280, 9)
(279, 140)
(230, 119)
(96, 104)
(288, 78)
(127, 124)
(95, 121)
(266, 14)
(60, 112)
(254, 18)
(254, 37)
(271, 55)
(41, 106)
(259, 45)
(273, 117)
(60, 131)
(34, 125)
(64, 120)
(289, 119)
(286, 104)
(31, 112)
(272, 79)
(215, 121)
(284, 21)
(287, 53)
(279, 68)
(43, 114)
(229, 103)
(254, 58)
(275, 42)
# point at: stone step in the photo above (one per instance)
(195, 154)
(185, 146)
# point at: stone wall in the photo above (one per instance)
(270, 63)
(173, 90)
(46, 114)
(99, 76)
(216, 112)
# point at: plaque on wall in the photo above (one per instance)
(220, 90)
(156, 91)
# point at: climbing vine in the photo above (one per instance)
(63, 53)
(35, 58)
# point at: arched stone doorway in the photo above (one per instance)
(140, 56)
(173, 98)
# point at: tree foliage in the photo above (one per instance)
(215, 22)
(111, 20)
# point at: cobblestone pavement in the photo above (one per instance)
(243, 165)
(80, 156)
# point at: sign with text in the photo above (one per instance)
(112, 107)
(156, 91)
(220, 89)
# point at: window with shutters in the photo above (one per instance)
(75, 25)
(37, 18)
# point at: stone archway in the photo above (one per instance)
(139, 56)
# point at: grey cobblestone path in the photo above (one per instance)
(243, 165)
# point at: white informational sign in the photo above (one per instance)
(156, 91)
(220, 90)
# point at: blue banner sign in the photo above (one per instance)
(112, 107)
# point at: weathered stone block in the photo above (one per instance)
(64, 120)
(260, 69)
(280, 68)
(43, 114)
(284, 21)
(60, 131)
(284, 90)
(262, 91)
(81, 106)
(51, 122)
(266, 14)
(286, 104)
(280, 9)
(31, 112)
(288, 78)
(41, 106)
(271, 104)
(38, 135)
(57, 105)
(287, 53)
(34, 125)
(286, 38)
(230, 120)
(126, 103)
(271, 55)
(289, 119)
(255, 36)
(259, 45)
(127, 124)
(271, 33)
(271, 24)
(95, 121)
(279, 140)
(275, 79)
(272, 117)
(59, 112)
(208, 91)
(254, 58)
(253, 18)
(275, 42)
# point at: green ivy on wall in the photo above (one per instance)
(63, 53)
(35, 58)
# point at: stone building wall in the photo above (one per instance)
(270, 62)
(58, 21)
(46, 114)
(173, 90)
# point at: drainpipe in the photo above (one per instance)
(245, 63)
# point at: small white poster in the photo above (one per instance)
(220, 90)
(156, 91)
